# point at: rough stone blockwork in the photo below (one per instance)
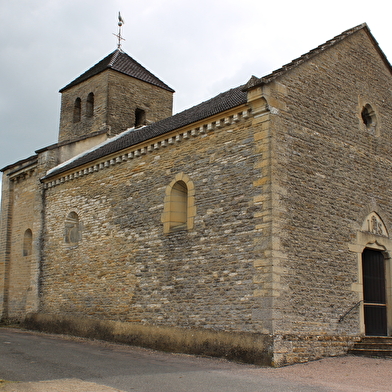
(330, 171)
(125, 268)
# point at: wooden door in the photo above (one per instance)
(374, 296)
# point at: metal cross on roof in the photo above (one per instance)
(120, 38)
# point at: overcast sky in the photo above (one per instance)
(198, 47)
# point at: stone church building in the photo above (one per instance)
(254, 226)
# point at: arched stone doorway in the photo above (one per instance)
(374, 285)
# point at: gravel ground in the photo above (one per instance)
(345, 374)
(341, 374)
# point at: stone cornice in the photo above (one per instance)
(23, 172)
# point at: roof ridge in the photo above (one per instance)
(114, 58)
(299, 60)
(313, 52)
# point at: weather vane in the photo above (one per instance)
(120, 23)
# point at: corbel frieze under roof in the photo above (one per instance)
(164, 141)
(23, 172)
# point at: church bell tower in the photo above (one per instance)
(115, 94)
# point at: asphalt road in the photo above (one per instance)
(32, 362)
(26, 356)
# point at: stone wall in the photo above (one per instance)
(126, 94)
(5, 224)
(20, 268)
(330, 171)
(70, 130)
(22, 208)
(126, 269)
(19, 196)
(279, 199)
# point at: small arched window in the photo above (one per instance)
(369, 118)
(90, 105)
(140, 118)
(77, 110)
(27, 242)
(72, 229)
(179, 209)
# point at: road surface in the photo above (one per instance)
(35, 362)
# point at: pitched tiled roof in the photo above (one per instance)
(120, 62)
(220, 103)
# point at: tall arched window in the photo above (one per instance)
(77, 110)
(72, 228)
(179, 206)
(90, 105)
(27, 242)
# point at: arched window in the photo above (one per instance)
(179, 204)
(179, 209)
(90, 105)
(77, 110)
(72, 228)
(369, 118)
(27, 242)
(140, 118)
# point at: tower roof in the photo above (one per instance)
(121, 62)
